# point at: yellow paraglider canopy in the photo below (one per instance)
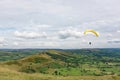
(92, 31)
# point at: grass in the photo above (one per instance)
(55, 65)
(7, 74)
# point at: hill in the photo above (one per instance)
(44, 62)
(97, 62)
(14, 54)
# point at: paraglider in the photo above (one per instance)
(91, 31)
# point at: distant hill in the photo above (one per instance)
(14, 54)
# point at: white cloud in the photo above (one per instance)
(70, 33)
(16, 43)
(43, 26)
(118, 31)
(114, 41)
(2, 39)
(3, 42)
(108, 24)
(49, 44)
(36, 44)
(1, 45)
(30, 35)
(32, 19)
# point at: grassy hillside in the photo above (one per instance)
(84, 64)
(44, 62)
(70, 62)
(7, 74)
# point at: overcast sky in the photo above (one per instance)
(59, 23)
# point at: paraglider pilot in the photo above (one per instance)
(90, 43)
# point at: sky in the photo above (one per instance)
(59, 23)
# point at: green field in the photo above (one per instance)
(7, 74)
(83, 64)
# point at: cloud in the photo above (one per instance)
(118, 31)
(3, 42)
(113, 41)
(43, 26)
(30, 35)
(2, 39)
(1, 45)
(16, 43)
(109, 35)
(49, 44)
(70, 33)
(108, 24)
(36, 44)
(32, 19)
